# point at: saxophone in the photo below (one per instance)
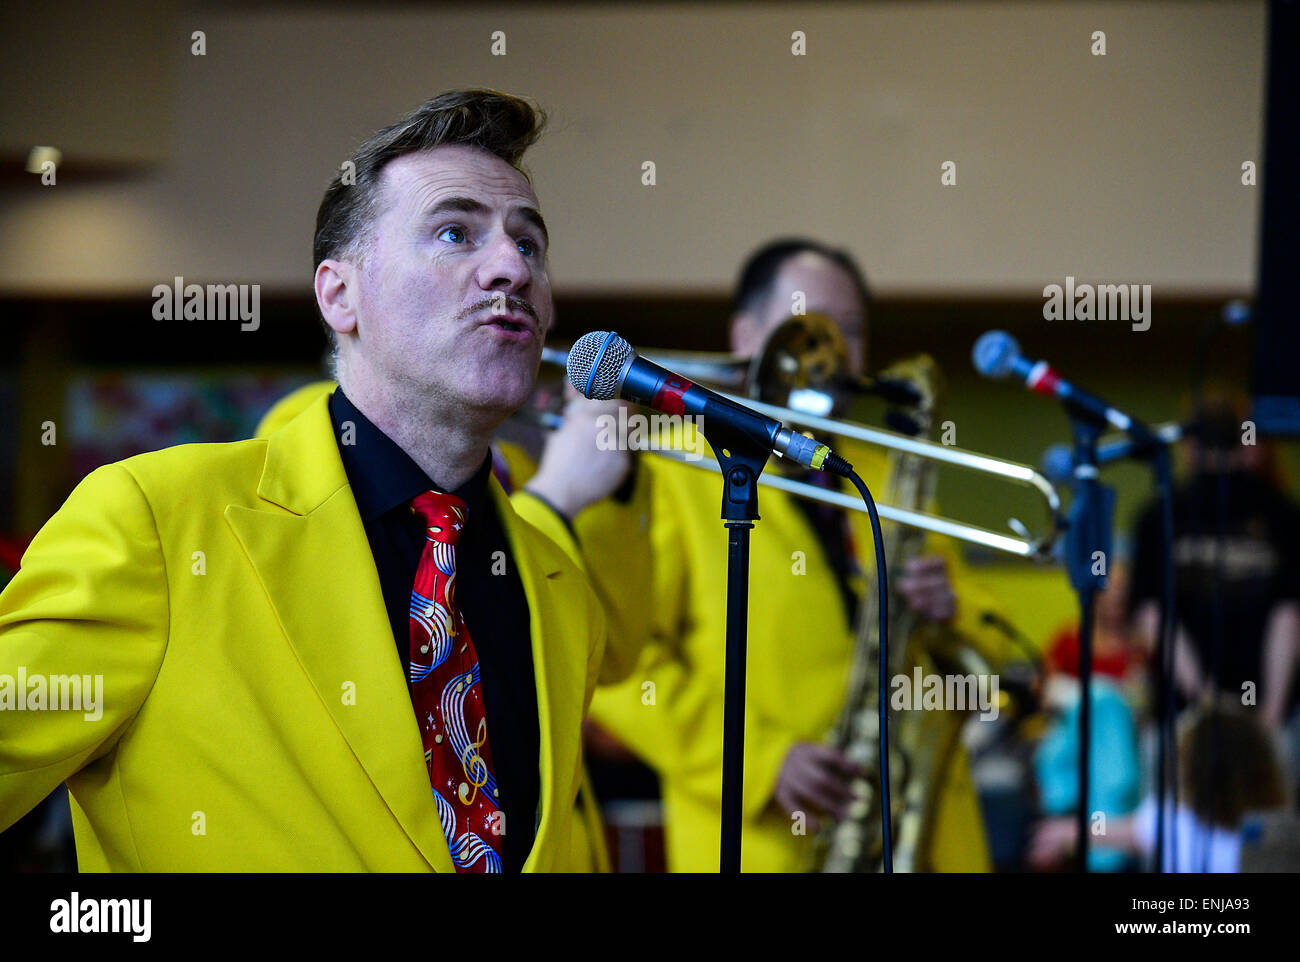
(921, 742)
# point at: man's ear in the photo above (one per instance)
(336, 294)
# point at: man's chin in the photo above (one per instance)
(510, 380)
(501, 398)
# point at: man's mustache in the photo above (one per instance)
(511, 304)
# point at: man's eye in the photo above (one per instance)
(457, 235)
(529, 247)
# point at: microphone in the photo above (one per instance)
(1237, 313)
(603, 366)
(1058, 460)
(997, 355)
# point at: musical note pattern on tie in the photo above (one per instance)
(447, 694)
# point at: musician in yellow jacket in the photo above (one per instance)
(226, 607)
(513, 469)
(669, 710)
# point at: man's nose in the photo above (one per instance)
(504, 267)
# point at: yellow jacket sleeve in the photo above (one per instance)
(650, 606)
(669, 711)
(91, 602)
(544, 518)
(614, 539)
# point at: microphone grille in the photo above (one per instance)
(595, 362)
(994, 354)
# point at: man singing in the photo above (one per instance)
(337, 648)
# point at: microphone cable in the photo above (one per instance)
(882, 587)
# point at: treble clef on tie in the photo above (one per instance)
(475, 768)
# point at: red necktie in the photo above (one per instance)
(448, 695)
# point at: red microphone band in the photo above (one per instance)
(1043, 379)
(669, 397)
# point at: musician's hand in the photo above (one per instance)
(927, 589)
(1052, 842)
(815, 780)
(574, 471)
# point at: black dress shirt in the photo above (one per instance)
(488, 590)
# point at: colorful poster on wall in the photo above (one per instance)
(115, 415)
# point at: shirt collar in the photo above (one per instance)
(383, 476)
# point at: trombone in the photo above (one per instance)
(804, 362)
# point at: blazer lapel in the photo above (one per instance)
(555, 708)
(317, 569)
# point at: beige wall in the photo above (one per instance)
(1122, 168)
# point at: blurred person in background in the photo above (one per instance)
(1228, 771)
(1116, 653)
(1237, 568)
(796, 673)
(1115, 778)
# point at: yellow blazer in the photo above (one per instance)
(670, 708)
(255, 716)
(623, 641)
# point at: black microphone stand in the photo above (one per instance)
(1089, 532)
(1166, 691)
(742, 462)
